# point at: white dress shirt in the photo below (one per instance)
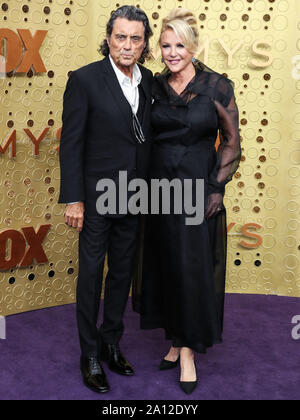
(129, 87)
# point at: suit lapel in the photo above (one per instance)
(117, 93)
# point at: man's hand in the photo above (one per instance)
(74, 215)
(214, 205)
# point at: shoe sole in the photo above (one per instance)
(91, 388)
(95, 389)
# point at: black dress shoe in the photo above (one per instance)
(111, 354)
(93, 374)
(168, 364)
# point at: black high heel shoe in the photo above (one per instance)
(189, 387)
(168, 364)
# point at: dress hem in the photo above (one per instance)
(206, 346)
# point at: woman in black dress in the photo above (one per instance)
(183, 270)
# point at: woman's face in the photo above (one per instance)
(176, 57)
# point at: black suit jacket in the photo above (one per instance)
(97, 138)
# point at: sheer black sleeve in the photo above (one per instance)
(229, 150)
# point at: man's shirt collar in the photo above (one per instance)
(125, 80)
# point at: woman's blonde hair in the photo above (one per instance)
(184, 24)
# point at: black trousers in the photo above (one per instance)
(117, 237)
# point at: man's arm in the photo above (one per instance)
(71, 150)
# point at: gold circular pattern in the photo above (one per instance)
(81, 17)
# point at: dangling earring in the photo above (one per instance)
(193, 59)
(162, 60)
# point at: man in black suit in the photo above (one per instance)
(106, 129)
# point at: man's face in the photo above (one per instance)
(126, 42)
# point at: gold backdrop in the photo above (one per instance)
(256, 43)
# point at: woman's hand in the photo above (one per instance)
(215, 204)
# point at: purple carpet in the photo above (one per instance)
(258, 359)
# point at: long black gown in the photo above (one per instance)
(180, 279)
